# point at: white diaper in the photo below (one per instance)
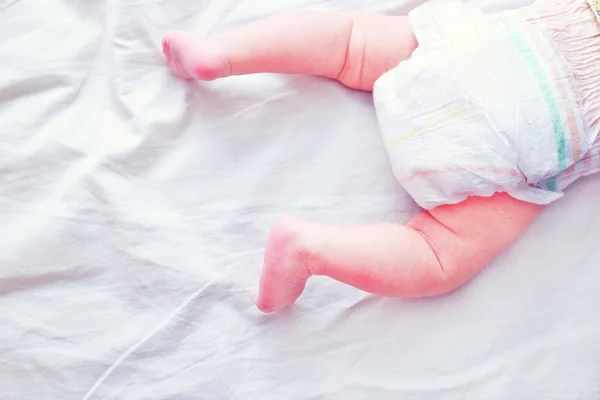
(486, 104)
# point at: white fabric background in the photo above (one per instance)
(134, 209)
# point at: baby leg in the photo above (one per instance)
(354, 48)
(434, 254)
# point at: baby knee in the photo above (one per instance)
(351, 70)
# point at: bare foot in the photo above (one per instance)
(286, 267)
(191, 57)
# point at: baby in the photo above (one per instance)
(486, 119)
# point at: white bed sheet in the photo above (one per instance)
(134, 209)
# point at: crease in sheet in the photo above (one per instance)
(143, 340)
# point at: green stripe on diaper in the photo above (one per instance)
(549, 97)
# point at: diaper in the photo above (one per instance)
(493, 103)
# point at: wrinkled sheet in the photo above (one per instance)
(135, 207)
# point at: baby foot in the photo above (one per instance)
(285, 268)
(191, 57)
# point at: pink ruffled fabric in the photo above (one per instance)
(573, 26)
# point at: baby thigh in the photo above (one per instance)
(467, 236)
(376, 45)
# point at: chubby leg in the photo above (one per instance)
(434, 254)
(354, 48)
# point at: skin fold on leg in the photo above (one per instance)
(433, 254)
(353, 48)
